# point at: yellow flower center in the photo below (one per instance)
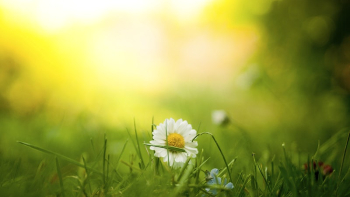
(175, 139)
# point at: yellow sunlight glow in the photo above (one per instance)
(93, 51)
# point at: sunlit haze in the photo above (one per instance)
(124, 53)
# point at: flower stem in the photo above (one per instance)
(222, 154)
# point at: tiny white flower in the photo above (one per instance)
(219, 117)
(180, 135)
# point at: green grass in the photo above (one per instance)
(132, 170)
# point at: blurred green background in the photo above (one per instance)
(71, 72)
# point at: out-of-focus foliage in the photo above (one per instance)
(304, 62)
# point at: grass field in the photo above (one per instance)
(117, 163)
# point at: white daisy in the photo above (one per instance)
(180, 135)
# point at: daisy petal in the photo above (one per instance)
(170, 125)
(191, 135)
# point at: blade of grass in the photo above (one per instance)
(108, 165)
(121, 153)
(171, 148)
(119, 186)
(104, 160)
(342, 163)
(239, 179)
(157, 165)
(276, 181)
(185, 173)
(262, 174)
(243, 186)
(129, 165)
(254, 185)
(229, 164)
(106, 183)
(138, 147)
(92, 144)
(333, 140)
(214, 186)
(39, 169)
(58, 155)
(280, 190)
(200, 166)
(183, 169)
(206, 192)
(272, 172)
(345, 148)
(267, 181)
(317, 150)
(196, 172)
(287, 171)
(60, 176)
(80, 184)
(87, 174)
(133, 143)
